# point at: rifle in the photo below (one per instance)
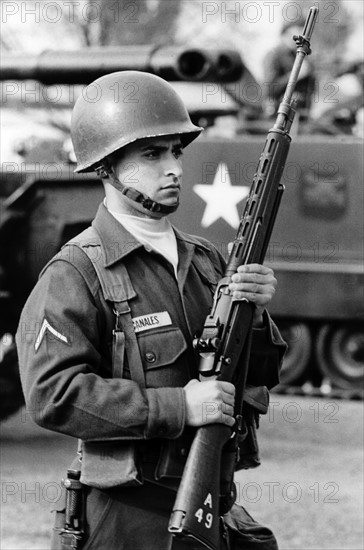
(206, 489)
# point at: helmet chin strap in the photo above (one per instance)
(104, 171)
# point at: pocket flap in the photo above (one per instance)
(162, 347)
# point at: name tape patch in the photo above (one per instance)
(153, 320)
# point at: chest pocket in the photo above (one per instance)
(162, 352)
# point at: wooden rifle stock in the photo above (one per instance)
(224, 345)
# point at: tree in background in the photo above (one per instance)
(126, 22)
(139, 22)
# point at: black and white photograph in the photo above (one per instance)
(182, 275)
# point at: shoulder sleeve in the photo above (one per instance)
(66, 378)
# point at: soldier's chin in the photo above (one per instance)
(172, 204)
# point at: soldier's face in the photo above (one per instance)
(153, 166)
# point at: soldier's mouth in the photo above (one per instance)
(172, 186)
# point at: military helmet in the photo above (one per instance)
(122, 107)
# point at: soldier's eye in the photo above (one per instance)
(153, 154)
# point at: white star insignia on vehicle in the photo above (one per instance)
(221, 198)
(46, 326)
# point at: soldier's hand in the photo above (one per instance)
(257, 284)
(210, 402)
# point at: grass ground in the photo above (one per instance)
(309, 489)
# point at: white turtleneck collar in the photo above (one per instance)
(154, 233)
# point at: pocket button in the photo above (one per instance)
(150, 357)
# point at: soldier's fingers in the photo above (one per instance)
(227, 419)
(240, 278)
(248, 287)
(227, 387)
(254, 268)
(253, 297)
(227, 409)
(258, 278)
(244, 290)
(228, 399)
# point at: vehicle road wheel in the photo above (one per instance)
(340, 355)
(296, 360)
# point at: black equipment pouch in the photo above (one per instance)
(244, 532)
(256, 402)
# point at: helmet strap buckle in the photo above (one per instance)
(103, 170)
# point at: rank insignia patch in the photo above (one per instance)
(47, 326)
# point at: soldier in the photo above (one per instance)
(110, 360)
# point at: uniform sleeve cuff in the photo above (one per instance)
(167, 413)
(268, 333)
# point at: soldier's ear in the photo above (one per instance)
(112, 159)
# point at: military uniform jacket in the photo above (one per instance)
(64, 339)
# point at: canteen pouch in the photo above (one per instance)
(110, 464)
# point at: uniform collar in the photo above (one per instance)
(117, 242)
(185, 237)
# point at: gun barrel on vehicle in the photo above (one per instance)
(84, 66)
